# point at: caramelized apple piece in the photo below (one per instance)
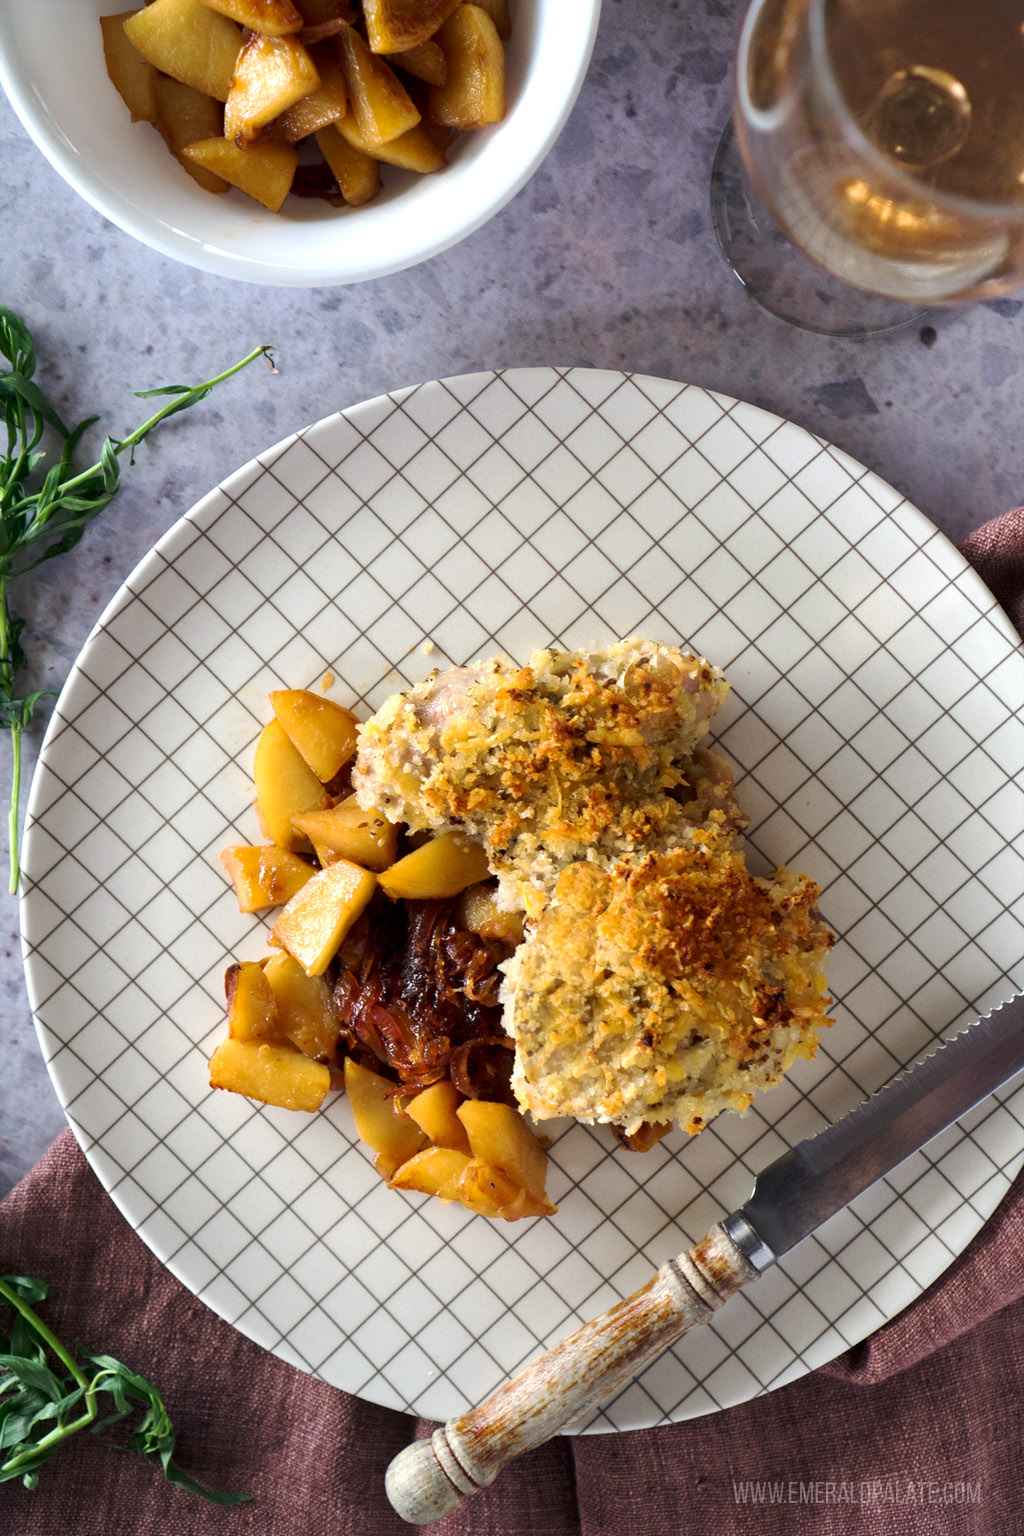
(189, 42)
(434, 1110)
(305, 1014)
(434, 1171)
(271, 75)
(478, 912)
(349, 832)
(264, 876)
(184, 115)
(444, 866)
(252, 1012)
(382, 106)
(414, 150)
(484, 1189)
(274, 1074)
(274, 18)
(498, 11)
(286, 786)
(393, 25)
(131, 75)
(323, 106)
(525, 1205)
(322, 731)
(499, 1135)
(379, 1120)
(264, 171)
(316, 920)
(357, 174)
(425, 61)
(473, 94)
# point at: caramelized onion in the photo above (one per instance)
(482, 1069)
(318, 30)
(420, 995)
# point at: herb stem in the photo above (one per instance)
(49, 1338)
(44, 512)
(186, 398)
(55, 1436)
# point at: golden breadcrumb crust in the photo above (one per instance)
(666, 990)
(579, 754)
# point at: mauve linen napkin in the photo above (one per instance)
(919, 1429)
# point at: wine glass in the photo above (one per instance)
(885, 139)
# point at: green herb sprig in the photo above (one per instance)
(47, 1395)
(44, 512)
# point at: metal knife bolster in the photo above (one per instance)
(805, 1186)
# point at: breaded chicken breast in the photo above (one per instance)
(667, 989)
(577, 755)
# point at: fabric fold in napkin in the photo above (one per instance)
(920, 1428)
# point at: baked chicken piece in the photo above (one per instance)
(579, 755)
(665, 990)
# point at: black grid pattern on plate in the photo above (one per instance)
(277, 1272)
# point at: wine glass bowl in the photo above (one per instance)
(886, 140)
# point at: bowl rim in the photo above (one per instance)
(226, 257)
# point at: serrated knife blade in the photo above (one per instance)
(815, 1180)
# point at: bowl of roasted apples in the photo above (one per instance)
(301, 143)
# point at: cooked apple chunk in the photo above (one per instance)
(479, 912)
(393, 25)
(316, 920)
(305, 1015)
(499, 1135)
(323, 106)
(434, 1171)
(382, 106)
(322, 731)
(346, 831)
(444, 866)
(286, 786)
(189, 42)
(357, 174)
(435, 1112)
(274, 18)
(414, 150)
(498, 11)
(473, 94)
(264, 171)
(271, 75)
(252, 1012)
(264, 875)
(274, 1074)
(485, 1189)
(131, 75)
(425, 62)
(379, 1119)
(184, 115)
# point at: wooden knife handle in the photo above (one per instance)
(428, 1479)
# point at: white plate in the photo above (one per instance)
(875, 731)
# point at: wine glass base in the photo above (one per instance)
(779, 277)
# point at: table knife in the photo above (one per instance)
(791, 1198)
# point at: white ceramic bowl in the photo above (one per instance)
(51, 67)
